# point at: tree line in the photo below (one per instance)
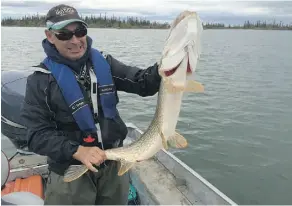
(92, 21)
(136, 22)
(251, 25)
(264, 24)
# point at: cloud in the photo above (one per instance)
(165, 10)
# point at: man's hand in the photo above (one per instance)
(89, 156)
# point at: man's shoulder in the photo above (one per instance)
(108, 57)
(38, 73)
(104, 54)
(40, 69)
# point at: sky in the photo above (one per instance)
(228, 12)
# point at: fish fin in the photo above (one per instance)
(125, 166)
(74, 172)
(164, 141)
(193, 86)
(177, 141)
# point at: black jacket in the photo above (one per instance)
(52, 130)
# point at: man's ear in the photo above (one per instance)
(50, 36)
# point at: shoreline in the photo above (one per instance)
(154, 28)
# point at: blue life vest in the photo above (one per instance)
(74, 96)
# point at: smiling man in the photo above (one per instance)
(71, 115)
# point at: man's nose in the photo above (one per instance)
(74, 39)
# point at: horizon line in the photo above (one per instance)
(103, 14)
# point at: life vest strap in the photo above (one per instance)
(102, 91)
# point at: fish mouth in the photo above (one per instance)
(173, 70)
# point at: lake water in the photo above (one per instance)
(239, 130)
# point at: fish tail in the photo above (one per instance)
(74, 172)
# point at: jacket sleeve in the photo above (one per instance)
(130, 79)
(42, 136)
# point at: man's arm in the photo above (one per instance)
(42, 136)
(144, 82)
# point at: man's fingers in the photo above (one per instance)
(90, 167)
(96, 160)
(101, 153)
(95, 156)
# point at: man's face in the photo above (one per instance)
(73, 48)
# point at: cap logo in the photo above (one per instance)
(64, 11)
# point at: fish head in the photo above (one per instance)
(182, 48)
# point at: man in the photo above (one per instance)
(74, 88)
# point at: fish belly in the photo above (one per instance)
(171, 113)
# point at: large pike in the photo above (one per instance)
(178, 62)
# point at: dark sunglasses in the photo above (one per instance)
(65, 35)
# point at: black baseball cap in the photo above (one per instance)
(61, 15)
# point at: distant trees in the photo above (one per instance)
(249, 25)
(135, 22)
(93, 21)
(213, 25)
(265, 25)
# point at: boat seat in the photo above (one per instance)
(24, 191)
(23, 198)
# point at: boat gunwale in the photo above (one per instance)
(166, 159)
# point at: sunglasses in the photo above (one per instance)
(67, 35)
